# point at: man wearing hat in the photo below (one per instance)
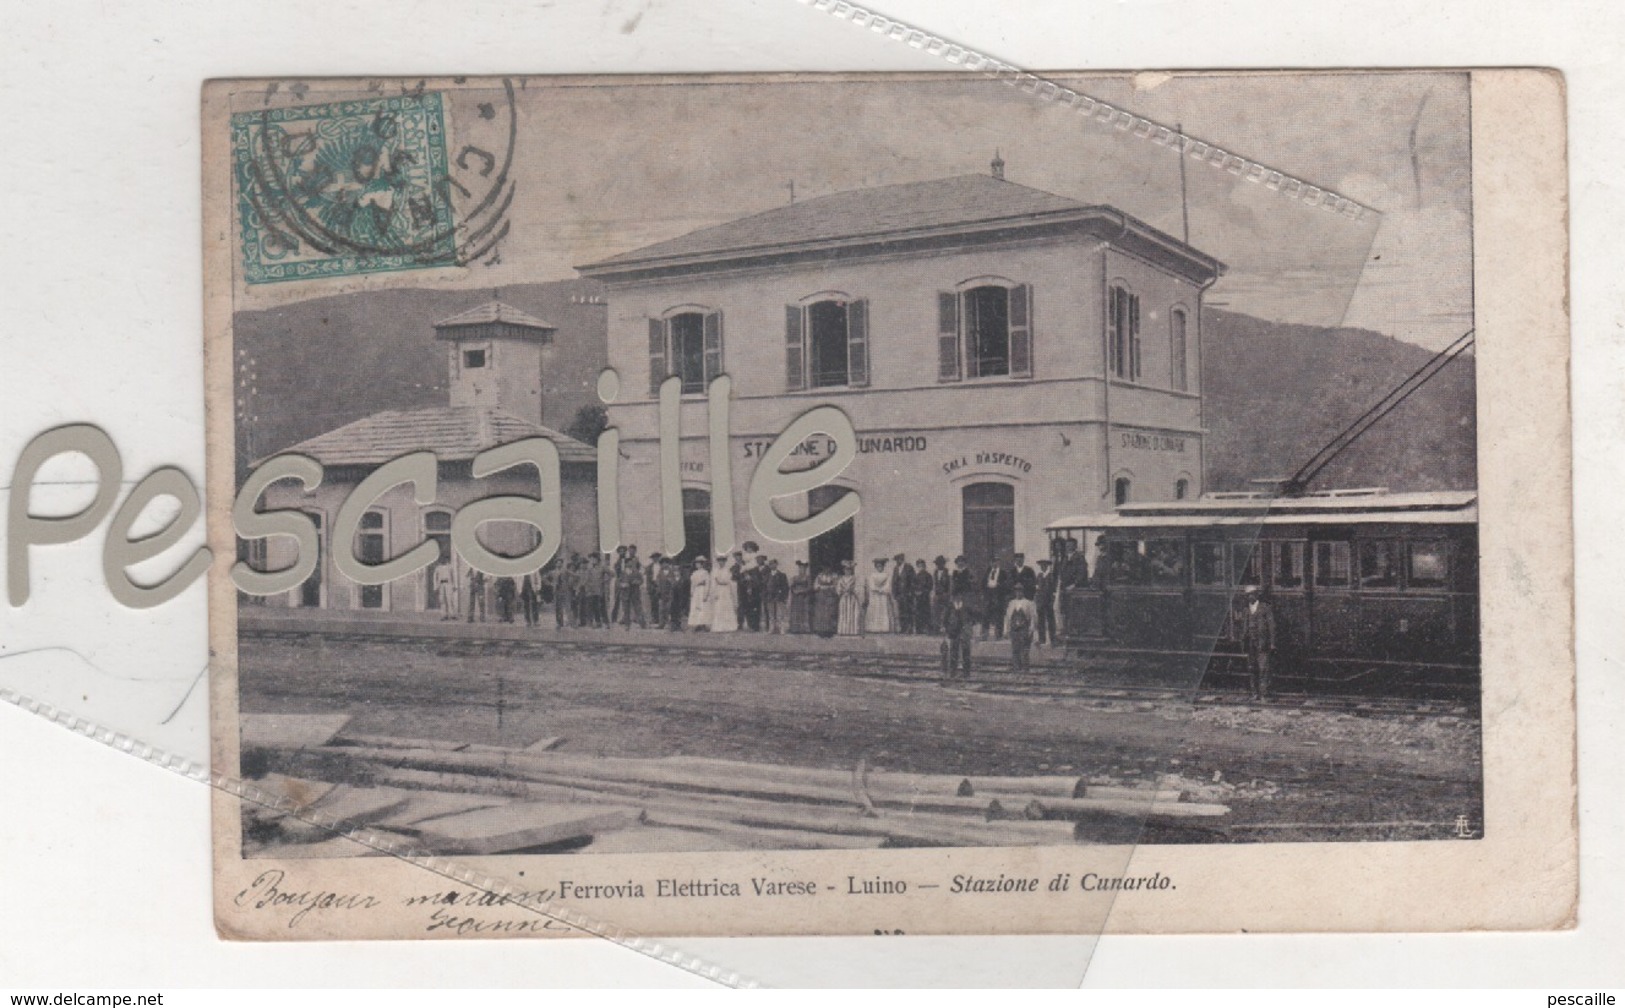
(1044, 599)
(942, 590)
(902, 593)
(801, 595)
(651, 590)
(920, 591)
(1256, 625)
(775, 596)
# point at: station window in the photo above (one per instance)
(1429, 565)
(1123, 332)
(473, 358)
(1245, 562)
(1177, 350)
(826, 344)
(1208, 566)
(1378, 568)
(1120, 490)
(1286, 564)
(1332, 567)
(1182, 489)
(370, 550)
(985, 332)
(687, 344)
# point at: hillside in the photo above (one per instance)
(1275, 393)
(322, 363)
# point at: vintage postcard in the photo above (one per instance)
(905, 503)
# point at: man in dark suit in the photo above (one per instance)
(942, 590)
(958, 626)
(902, 593)
(998, 586)
(1044, 599)
(1255, 624)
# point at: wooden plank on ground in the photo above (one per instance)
(520, 825)
(290, 731)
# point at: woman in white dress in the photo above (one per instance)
(699, 596)
(724, 598)
(879, 612)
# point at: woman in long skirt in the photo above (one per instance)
(826, 605)
(880, 610)
(850, 592)
(801, 591)
(724, 598)
(699, 596)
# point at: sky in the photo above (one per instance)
(608, 165)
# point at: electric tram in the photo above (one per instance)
(1356, 577)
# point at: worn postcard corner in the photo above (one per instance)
(1132, 507)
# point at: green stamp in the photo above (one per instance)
(343, 188)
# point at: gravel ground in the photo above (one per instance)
(1288, 774)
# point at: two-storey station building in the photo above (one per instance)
(1005, 355)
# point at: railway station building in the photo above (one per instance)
(494, 387)
(1006, 356)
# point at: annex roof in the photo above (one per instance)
(893, 213)
(453, 433)
(1445, 507)
(494, 312)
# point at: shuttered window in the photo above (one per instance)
(857, 343)
(1178, 350)
(795, 360)
(1021, 331)
(658, 368)
(948, 336)
(688, 345)
(713, 348)
(1123, 332)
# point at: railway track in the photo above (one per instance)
(1109, 682)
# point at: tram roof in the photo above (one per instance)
(1444, 507)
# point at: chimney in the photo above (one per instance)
(998, 165)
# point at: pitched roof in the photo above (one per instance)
(494, 311)
(453, 433)
(959, 199)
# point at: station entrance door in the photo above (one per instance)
(828, 551)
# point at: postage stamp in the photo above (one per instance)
(1099, 508)
(342, 188)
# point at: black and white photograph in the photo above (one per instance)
(1162, 483)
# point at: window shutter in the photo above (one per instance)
(1134, 335)
(1021, 331)
(857, 343)
(947, 336)
(1113, 347)
(795, 360)
(657, 355)
(713, 346)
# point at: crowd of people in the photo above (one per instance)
(747, 591)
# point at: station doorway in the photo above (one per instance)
(989, 523)
(828, 551)
(696, 524)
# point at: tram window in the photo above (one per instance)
(1377, 566)
(1209, 563)
(1332, 565)
(1124, 565)
(1286, 564)
(1428, 565)
(1165, 561)
(1245, 564)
